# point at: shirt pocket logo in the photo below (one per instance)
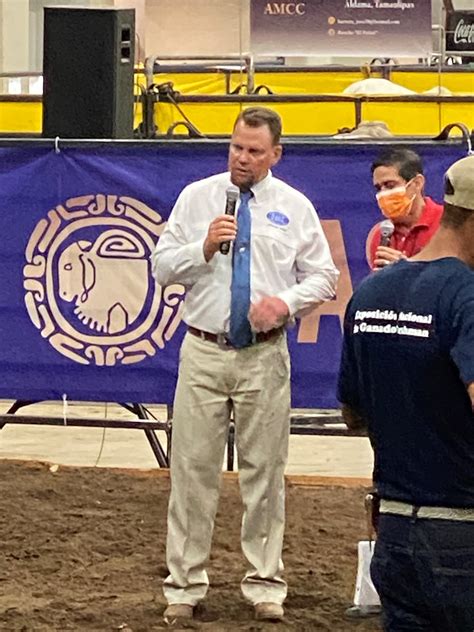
(277, 218)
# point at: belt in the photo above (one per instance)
(223, 341)
(434, 513)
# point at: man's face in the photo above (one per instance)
(385, 178)
(251, 154)
(407, 203)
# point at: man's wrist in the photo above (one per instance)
(208, 250)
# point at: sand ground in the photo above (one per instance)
(83, 550)
(82, 544)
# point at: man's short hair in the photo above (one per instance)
(455, 216)
(407, 162)
(258, 116)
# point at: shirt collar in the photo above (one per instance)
(425, 219)
(258, 190)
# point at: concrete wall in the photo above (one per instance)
(14, 35)
(197, 27)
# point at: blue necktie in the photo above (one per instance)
(240, 334)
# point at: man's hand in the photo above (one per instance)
(385, 255)
(269, 313)
(222, 228)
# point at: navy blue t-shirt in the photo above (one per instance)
(408, 356)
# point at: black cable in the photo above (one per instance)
(137, 132)
(166, 90)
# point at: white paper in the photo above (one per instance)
(365, 593)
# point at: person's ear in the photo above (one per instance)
(277, 152)
(419, 181)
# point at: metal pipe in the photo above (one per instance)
(246, 57)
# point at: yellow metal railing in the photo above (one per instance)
(310, 101)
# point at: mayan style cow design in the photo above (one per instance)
(106, 279)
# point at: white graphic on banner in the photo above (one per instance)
(88, 286)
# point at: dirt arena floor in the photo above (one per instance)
(83, 549)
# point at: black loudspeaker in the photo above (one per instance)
(88, 61)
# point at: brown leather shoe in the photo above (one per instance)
(268, 611)
(178, 611)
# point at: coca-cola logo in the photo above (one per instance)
(460, 31)
(464, 33)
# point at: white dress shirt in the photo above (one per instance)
(290, 256)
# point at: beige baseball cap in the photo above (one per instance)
(459, 183)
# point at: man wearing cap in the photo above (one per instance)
(407, 375)
(399, 181)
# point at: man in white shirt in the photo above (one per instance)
(234, 358)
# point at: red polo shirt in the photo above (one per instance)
(408, 240)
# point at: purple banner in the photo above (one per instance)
(387, 28)
(80, 313)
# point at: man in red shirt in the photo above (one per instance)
(399, 181)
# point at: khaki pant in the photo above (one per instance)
(255, 382)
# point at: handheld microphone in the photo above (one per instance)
(386, 231)
(231, 196)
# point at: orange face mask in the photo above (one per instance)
(395, 203)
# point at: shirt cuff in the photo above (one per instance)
(288, 297)
(196, 253)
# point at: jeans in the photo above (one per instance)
(423, 570)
